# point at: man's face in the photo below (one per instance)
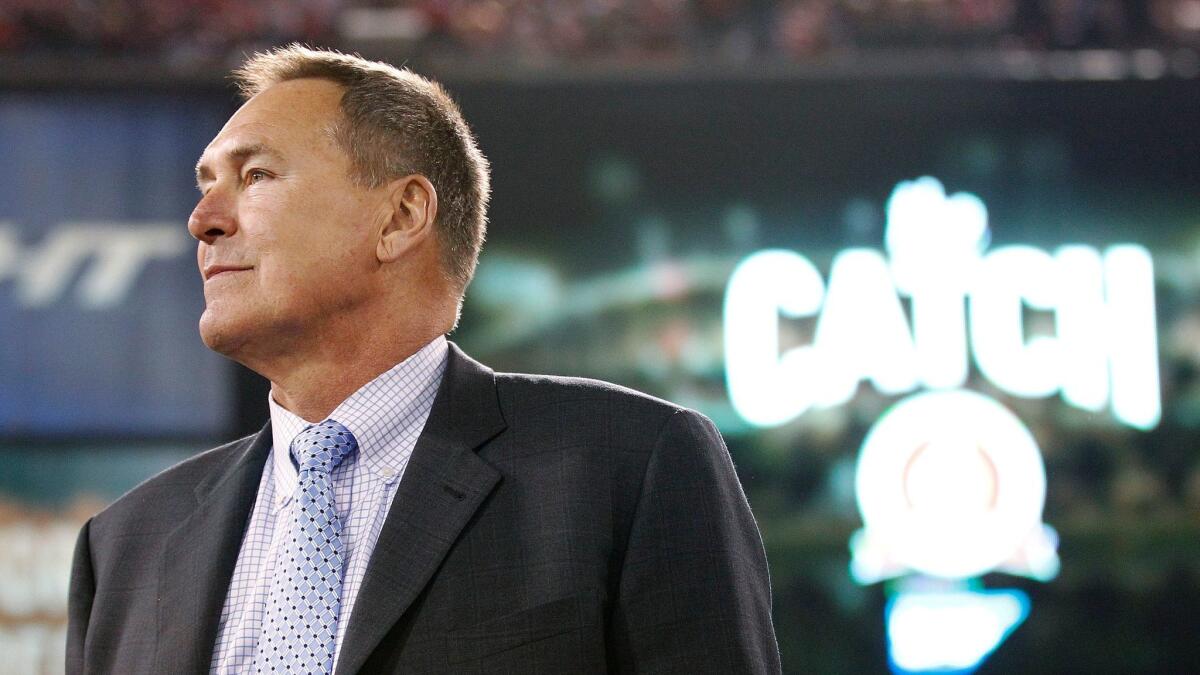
(285, 237)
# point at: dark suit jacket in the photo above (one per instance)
(543, 525)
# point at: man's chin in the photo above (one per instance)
(221, 336)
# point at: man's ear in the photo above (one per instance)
(413, 206)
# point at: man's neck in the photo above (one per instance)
(312, 388)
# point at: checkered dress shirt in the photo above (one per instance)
(386, 416)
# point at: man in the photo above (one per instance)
(406, 509)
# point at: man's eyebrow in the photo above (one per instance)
(238, 154)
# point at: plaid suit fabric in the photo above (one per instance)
(543, 525)
(617, 540)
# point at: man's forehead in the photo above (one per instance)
(302, 102)
(261, 137)
(293, 113)
(236, 147)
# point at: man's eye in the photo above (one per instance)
(255, 175)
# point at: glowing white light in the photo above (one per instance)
(1010, 278)
(768, 388)
(934, 243)
(930, 234)
(862, 333)
(1080, 325)
(952, 630)
(1095, 341)
(1129, 284)
(1038, 557)
(950, 484)
(940, 336)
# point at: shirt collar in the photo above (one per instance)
(381, 410)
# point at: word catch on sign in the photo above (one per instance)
(963, 298)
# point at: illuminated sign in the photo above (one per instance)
(950, 631)
(117, 252)
(98, 318)
(1103, 352)
(949, 482)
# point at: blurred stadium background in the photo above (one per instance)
(643, 151)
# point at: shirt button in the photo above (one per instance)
(389, 472)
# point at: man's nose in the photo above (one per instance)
(213, 217)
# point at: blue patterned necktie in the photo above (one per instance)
(299, 630)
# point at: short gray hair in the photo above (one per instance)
(396, 123)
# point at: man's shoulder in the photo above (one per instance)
(584, 401)
(174, 488)
(534, 389)
(626, 427)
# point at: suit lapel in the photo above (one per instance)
(199, 558)
(442, 487)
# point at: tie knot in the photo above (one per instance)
(323, 445)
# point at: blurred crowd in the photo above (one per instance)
(182, 31)
(189, 31)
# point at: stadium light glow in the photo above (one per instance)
(934, 242)
(1008, 280)
(862, 334)
(1079, 322)
(768, 388)
(1129, 285)
(950, 631)
(950, 484)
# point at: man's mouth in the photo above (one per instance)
(214, 271)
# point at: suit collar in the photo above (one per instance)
(199, 557)
(391, 407)
(443, 485)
